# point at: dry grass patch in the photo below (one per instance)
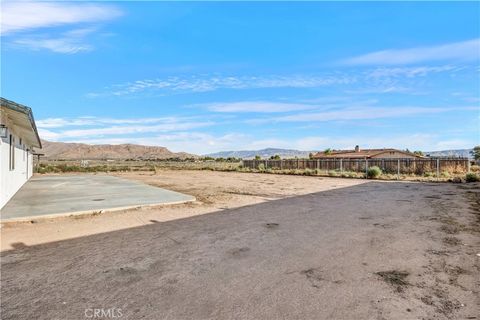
(451, 241)
(395, 278)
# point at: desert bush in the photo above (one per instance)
(472, 177)
(309, 172)
(261, 167)
(373, 172)
(456, 180)
(124, 168)
(45, 169)
(333, 173)
(429, 174)
(445, 174)
(67, 168)
(475, 168)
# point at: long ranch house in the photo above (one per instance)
(358, 153)
(18, 137)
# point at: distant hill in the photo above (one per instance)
(264, 153)
(451, 153)
(79, 151)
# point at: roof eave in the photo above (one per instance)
(28, 112)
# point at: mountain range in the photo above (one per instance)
(451, 153)
(80, 151)
(263, 153)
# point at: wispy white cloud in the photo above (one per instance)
(46, 134)
(382, 89)
(379, 80)
(407, 80)
(282, 107)
(467, 97)
(61, 45)
(91, 121)
(191, 134)
(457, 51)
(206, 83)
(131, 129)
(409, 72)
(62, 122)
(73, 41)
(27, 15)
(359, 113)
(257, 107)
(29, 25)
(57, 129)
(450, 144)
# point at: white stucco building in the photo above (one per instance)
(18, 137)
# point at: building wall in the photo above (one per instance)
(12, 180)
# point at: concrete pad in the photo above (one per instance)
(49, 196)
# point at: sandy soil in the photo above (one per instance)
(256, 247)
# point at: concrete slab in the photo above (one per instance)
(49, 196)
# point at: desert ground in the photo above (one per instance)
(255, 246)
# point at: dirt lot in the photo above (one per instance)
(255, 246)
(213, 190)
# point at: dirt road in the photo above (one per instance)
(214, 191)
(265, 247)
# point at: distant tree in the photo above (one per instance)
(476, 152)
(275, 157)
(310, 155)
(257, 157)
(418, 153)
(327, 151)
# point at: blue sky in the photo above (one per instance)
(206, 77)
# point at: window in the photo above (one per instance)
(12, 153)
